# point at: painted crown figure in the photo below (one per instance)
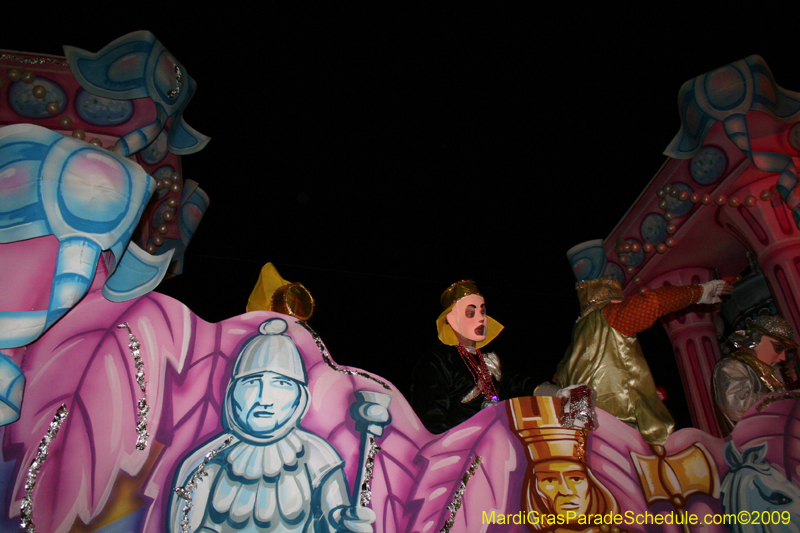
(559, 481)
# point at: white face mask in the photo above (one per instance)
(468, 318)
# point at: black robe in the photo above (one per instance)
(441, 380)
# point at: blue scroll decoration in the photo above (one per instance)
(91, 200)
(727, 94)
(12, 385)
(587, 259)
(137, 65)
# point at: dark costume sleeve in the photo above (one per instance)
(439, 383)
(515, 382)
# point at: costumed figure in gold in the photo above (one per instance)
(559, 484)
(606, 355)
(750, 373)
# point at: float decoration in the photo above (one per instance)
(727, 94)
(728, 181)
(415, 475)
(98, 480)
(84, 364)
(458, 499)
(366, 487)
(371, 413)
(26, 508)
(185, 492)
(331, 363)
(137, 65)
(49, 190)
(141, 405)
(43, 91)
(676, 478)
(273, 293)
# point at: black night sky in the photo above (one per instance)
(378, 155)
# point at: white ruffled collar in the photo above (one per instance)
(254, 461)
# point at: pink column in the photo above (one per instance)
(693, 334)
(770, 233)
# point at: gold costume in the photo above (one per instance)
(614, 366)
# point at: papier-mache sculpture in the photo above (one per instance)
(273, 472)
(139, 66)
(171, 423)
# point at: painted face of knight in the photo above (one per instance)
(468, 318)
(771, 350)
(264, 402)
(565, 486)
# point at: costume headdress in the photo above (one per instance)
(594, 294)
(775, 327)
(273, 293)
(765, 324)
(450, 296)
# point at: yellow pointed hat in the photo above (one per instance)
(450, 296)
(273, 293)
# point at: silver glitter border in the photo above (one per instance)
(185, 492)
(26, 508)
(178, 80)
(141, 405)
(327, 357)
(458, 498)
(789, 395)
(365, 495)
(34, 60)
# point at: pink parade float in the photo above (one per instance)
(171, 423)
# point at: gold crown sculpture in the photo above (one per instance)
(535, 419)
(273, 293)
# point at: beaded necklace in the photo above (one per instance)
(480, 373)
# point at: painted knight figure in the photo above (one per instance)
(274, 475)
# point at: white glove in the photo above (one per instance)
(546, 389)
(712, 290)
(564, 393)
